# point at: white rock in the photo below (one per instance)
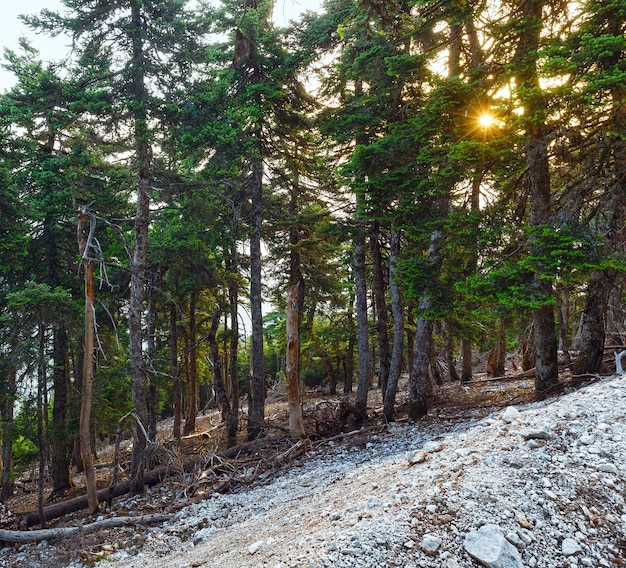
(488, 546)
(569, 546)
(510, 414)
(254, 547)
(434, 446)
(430, 543)
(608, 468)
(415, 456)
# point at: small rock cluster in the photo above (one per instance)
(538, 486)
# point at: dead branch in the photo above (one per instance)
(21, 537)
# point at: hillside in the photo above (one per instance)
(537, 485)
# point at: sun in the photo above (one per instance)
(486, 120)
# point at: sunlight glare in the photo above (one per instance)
(486, 120)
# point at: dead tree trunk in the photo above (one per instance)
(86, 227)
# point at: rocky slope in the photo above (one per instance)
(538, 485)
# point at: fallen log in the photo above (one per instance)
(21, 537)
(151, 478)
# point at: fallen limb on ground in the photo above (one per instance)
(22, 537)
(156, 476)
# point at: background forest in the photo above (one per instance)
(197, 205)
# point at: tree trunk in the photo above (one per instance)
(397, 310)
(466, 366)
(292, 367)
(348, 367)
(381, 308)
(85, 232)
(175, 372)
(410, 341)
(140, 246)
(452, 374)
(151, 353)
(41, 442)
(592, 329)
(7, 398)
(538, 170)
(419, 381)
(495, 366)
(232, 417)
(61, 439)
(221, 396)
(360, 286)
(256, 407)
(192, 378)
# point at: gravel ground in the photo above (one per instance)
(538, 485)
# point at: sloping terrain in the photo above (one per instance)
(547, 476)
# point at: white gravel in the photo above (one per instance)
(549, 476)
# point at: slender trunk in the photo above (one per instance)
(410, 341)
(466, 365)
(85, 232)
(331, 375)
(192, 378)
(140, 245)
(495, 366)
(449, 333)
(151, 353)
(360, 287)
(61, 439)
(382, 336)
(256, 409)
(349, 359)
(175, 372)
(232, 417)
(564, 318)
(6, 432)
(41, 442)
(397, 310)
(221, 396)
(292, 366)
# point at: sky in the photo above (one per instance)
(11, 28)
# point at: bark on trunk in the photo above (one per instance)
(140, 245)
(292, 366)
(360, 286)
(175, 372)
(192, 379)
(61, 442)
(382, 336)
(592, 329)
(85, 233)
(452, 374)
(466, 366)
(397, 309)
(221, 396)
(151, 353)
(256, 407)
(232, 417)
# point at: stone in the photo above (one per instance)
(434, 446)
(535, 433)
(255, 546)
(522, 520)
(488, 546)
(415, 456)
(510, 414)
(608, 468)
(570, 546)
(430, 543)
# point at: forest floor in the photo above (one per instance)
(539, 483)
